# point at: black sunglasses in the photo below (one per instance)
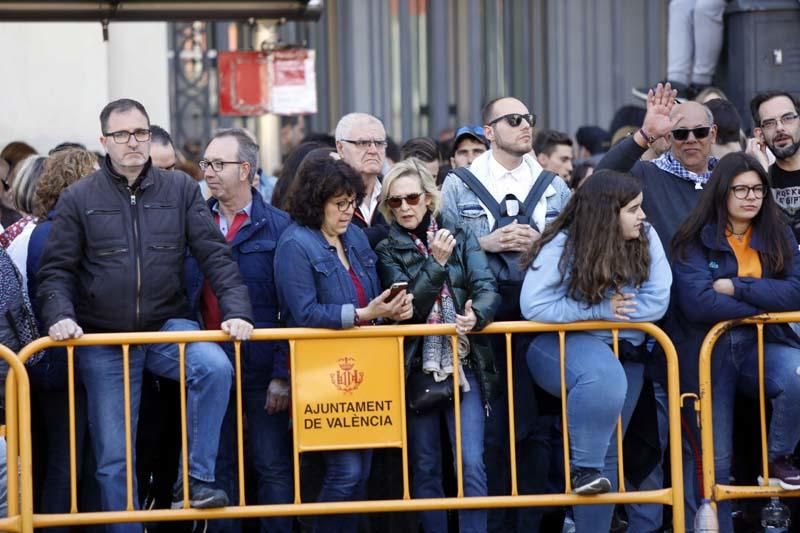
(515, 119)
(681, 134)
(411, 199)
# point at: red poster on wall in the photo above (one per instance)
(282, 82)
(243, 83)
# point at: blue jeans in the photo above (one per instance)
(208, 380)
(425, 446)
(345, 479)
(734, 366)
(269, 448)
(599, 390)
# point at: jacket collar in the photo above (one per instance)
(713, 239)
(258, 216)
(402, 240)
(145, 179)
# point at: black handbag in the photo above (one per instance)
(424, 394)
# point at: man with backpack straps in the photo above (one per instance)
(507, 199)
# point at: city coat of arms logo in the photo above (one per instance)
(347, 378)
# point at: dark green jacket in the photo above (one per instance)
(467, 274)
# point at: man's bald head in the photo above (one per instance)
(693, 113)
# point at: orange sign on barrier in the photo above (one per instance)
(347, 393)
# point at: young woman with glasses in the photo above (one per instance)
(733, 257)
(597, 261)
(449, 276)
(327, 279)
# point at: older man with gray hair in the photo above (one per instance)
(361, 143)
(252, 227)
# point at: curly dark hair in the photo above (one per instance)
(597, 259)
(61, 170)
(318, 179)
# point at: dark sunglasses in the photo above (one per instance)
(681, 134)
(515, 119)
(411, 199)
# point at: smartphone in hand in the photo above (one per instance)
(396, 289)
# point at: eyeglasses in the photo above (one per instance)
(787, 120)
(743, 191)
(515, 119)
(345, 205)
(216, 165)
(395, 202)
(681, 134)
(380, 144)
(122, 136)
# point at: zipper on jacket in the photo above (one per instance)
(136, 252)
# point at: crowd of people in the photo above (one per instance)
(672, 215)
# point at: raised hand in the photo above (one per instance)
(657, 122)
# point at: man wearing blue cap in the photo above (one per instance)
(468, 144)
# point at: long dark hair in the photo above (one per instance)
(596, 256)
(713, 209)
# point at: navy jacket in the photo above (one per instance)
(695, 306)
(253, 249)
(315, 290)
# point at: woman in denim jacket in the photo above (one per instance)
(734, 257)
(326, 278)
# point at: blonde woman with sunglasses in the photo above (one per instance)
(449, 277)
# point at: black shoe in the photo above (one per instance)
(589, 481)
(202, 495)
(684, 93)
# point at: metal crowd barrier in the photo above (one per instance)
(331, 368)
(19, 487)
(711, 489)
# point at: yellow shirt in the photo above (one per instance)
(746, 257)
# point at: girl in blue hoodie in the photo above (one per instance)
(597, 261)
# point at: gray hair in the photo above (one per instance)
(248, 147)
(349, 121)
(26, 174)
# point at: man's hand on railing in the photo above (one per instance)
(277, 396)
(237, 328)
(64, 329)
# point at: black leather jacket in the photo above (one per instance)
(467, 274)
(114, 258)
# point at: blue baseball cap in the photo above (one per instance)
(476, 132)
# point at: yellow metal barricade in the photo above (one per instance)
(711, 489)
(18, 447)
(348, 393)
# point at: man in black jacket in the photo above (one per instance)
(114, 262)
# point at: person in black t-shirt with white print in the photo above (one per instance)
(777, 126)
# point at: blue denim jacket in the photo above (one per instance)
(459, 203)
(253, 249)
(314, 289)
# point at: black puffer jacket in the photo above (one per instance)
(467, 274)
(114, 257)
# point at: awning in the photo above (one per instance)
(146, 10)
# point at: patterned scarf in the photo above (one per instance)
(13, 231)
(437, 352)
(668, 163)
(11, 290)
